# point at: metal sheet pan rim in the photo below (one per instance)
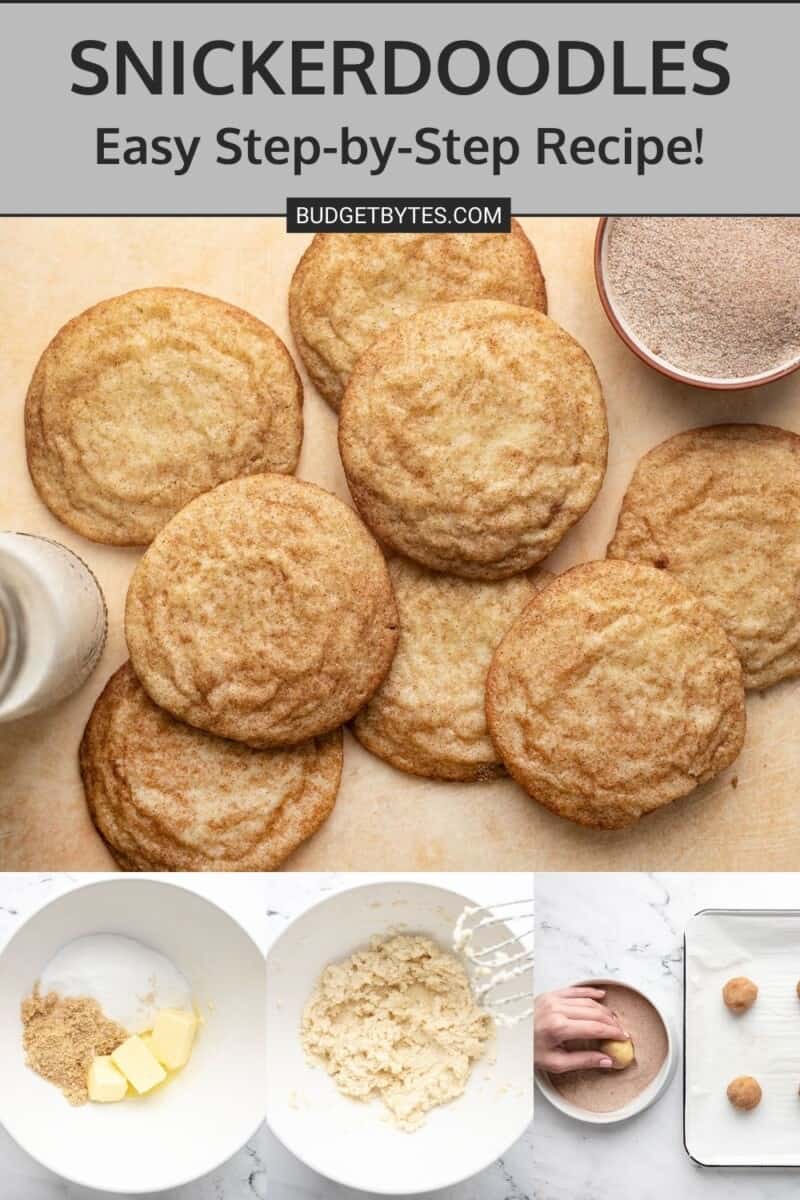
(728, 912)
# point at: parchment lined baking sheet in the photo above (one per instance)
(53, 268)
(763, 1042)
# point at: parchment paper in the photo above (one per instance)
(763, 1042)
(54, 268)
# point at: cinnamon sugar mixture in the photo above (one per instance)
(716, 297)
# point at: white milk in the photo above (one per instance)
(52, 623)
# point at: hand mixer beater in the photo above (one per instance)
(498, 957)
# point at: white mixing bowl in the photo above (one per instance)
(351, 1142)
(208, 1111)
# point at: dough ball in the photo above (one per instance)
(740, 994)
(744, 1092)
(621, 1054)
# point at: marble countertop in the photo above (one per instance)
(631, 927)
(263, 1170)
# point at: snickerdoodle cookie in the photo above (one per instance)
(148, 399)
(167, 797)
(348, 287)
(473, 437)
(615, 693)
(262, 612)
(720, 508)
(428, 716)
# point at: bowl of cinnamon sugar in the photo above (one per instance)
(712, 302)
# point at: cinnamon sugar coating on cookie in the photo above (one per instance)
(348, 287)
(428, 716)
(150, 398)
(262, 612)
(615, 693)
(167, 797)
(473, 436)
(719, 508)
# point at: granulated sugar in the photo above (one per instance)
(129, 980)
(716, 297)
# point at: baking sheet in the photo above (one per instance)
(763, 1042)
(53, 268)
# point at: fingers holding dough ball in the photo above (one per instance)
(740, 994)
(621, 1054)
(744, 1092)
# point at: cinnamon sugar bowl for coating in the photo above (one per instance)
(713, 302)
(605, 1097)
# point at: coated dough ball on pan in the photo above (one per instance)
(744, 1092)
(740, 994)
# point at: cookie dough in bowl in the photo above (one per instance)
(365, 985)
(397, 1020)
(608, 1096)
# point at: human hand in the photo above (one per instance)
(569, 1015)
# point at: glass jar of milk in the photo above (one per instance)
(53, 623)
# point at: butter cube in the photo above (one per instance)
(106, 1083)
(138, 1064)
(172, 1037)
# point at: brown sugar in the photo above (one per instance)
(61, 1036)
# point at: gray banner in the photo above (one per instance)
(596, 151)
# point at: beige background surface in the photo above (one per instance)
(51, 269)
